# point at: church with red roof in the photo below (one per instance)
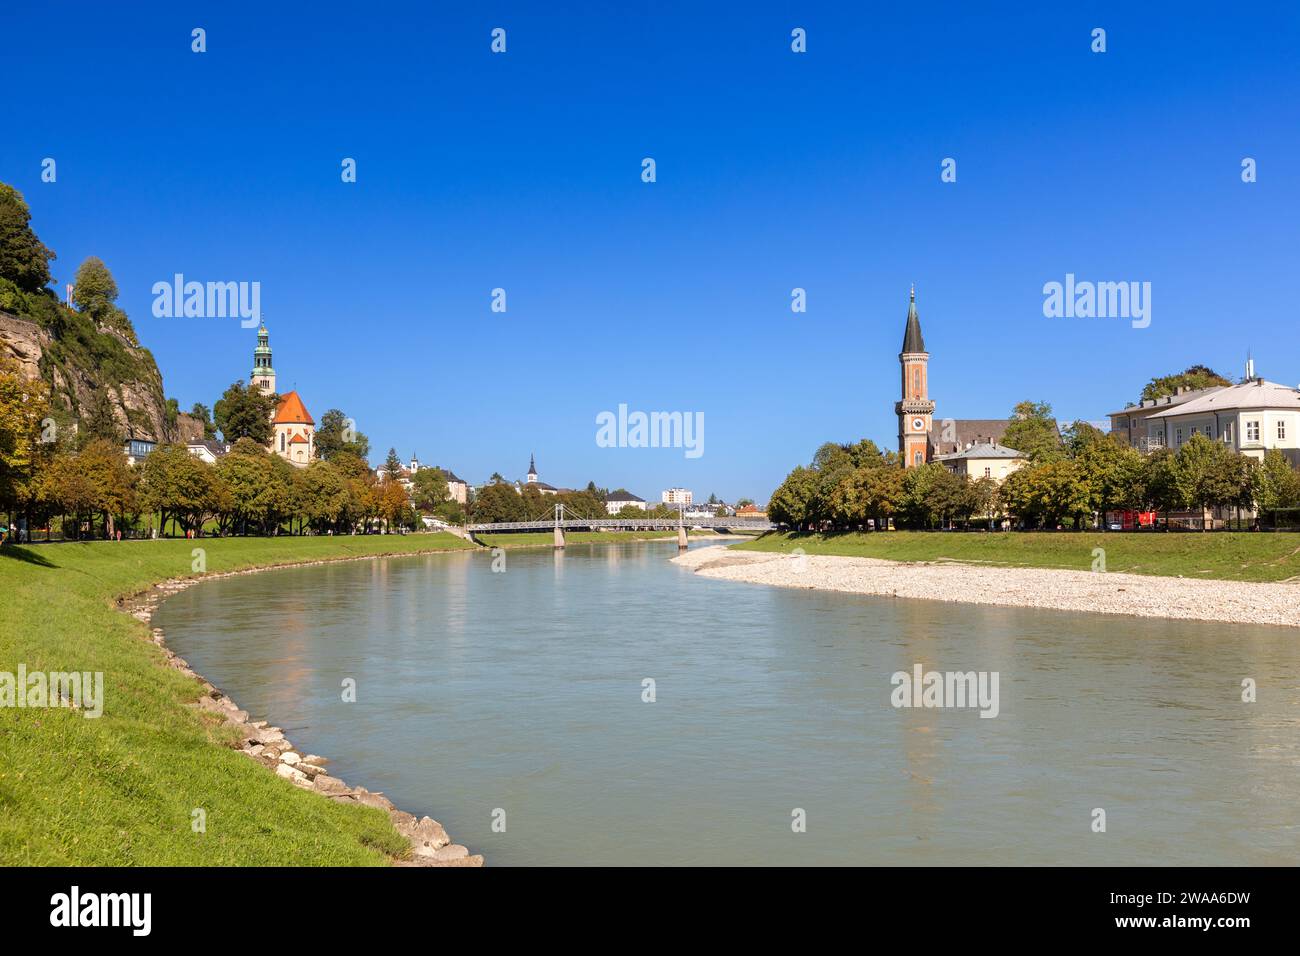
(293, 430)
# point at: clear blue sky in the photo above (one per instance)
(775, 170)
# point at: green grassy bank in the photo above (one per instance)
(1231, 556)
(121, 789)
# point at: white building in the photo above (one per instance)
(207, 450)
(618, 500)
(677, 496)
(1249, 418)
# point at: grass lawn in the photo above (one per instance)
(121, 789)
(538, 539)
(1234, 556)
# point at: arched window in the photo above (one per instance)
(281, 441)
(918, 458)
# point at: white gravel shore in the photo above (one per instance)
(1235, 602)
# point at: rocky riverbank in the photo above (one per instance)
(267, 745)
(1233, 602)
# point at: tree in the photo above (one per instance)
(393, 502)
(1113, 472)
(24, 259)
(179, 486)
(1208, 474)
(791, 503)
(321, 494)
(94, 291)
(259, 487)
(201, 412)
(498, 502)
(1033, 432)
(100, 422)
(1197, 376)
(24, 405)
(429, 488)
(1277, 484)
(337, 433)
(393, 464)
(243, 411)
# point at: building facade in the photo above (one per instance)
(677, 496)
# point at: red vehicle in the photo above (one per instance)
(1131, 520)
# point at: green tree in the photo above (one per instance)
(322, 496)
(429, 489)
(203, 414)
(100, 422)
(1277, 484)
(94, 290)
(337, 433)
(791, 504)
(244, 411)
(1197, 376)
(1209, 474)
(393, 463)
(24, 259)
(180, 487)
(1033, 432)
(498, 502)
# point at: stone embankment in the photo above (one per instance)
(1233, 602)
(430, 844)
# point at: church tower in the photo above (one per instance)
(915, 410)
(263, 377)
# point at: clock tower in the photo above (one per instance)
(915, 410)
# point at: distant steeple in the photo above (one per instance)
(532, 469)
(912, 339)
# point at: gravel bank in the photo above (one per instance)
(1139, 595)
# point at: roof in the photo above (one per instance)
(540, 486)
(912, 338)
(291, 411)
(1253, 394)
(215, 448)
(1165, 401)
(623, 496)
(299, 439)
(450, 476)
(982, 450)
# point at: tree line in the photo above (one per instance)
(1071, 479)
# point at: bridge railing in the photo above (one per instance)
(639, 524)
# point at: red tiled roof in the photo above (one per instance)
(298, 439)
(291, 411)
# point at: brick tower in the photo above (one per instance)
(915, 410)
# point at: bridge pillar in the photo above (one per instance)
(559, 537)
(681, 537)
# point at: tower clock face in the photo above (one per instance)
(918, 424)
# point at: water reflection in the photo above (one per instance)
(522, 690)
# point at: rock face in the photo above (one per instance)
(137, 400)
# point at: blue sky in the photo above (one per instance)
(775, 170)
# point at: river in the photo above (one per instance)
(516, 697)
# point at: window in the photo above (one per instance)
(281, 441)
(988, 473)
(1281, 431)
(1178, 436)
(1252, 431)
(1227, 433)
(918, 458)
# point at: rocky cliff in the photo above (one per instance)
(81, 361)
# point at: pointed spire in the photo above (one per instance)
(912, 340)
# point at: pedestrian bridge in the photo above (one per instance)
(560, 525)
